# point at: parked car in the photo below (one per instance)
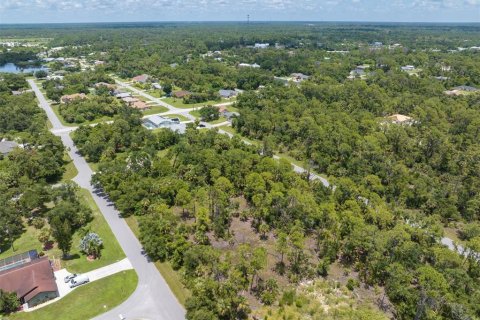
(70, 277)
(79, 280)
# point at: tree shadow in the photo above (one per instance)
(71, 257)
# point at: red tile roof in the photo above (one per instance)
(30, 279)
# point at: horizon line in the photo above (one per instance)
(243, 21)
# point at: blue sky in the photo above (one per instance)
(33, 11)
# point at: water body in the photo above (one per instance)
(12, 68)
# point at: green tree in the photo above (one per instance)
(8, 302)
(91, 244)
(62, 233)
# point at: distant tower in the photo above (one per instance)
(248, 19)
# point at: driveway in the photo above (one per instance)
(94, 275)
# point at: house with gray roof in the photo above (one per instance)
(7, 146)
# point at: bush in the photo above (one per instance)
(38, 223)
(91, 244)
(352, 284)
(8, 302)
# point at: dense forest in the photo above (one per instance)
(247, 235)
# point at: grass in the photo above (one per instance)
(179, 116)
(78, 262)
(165, 268)
(87, 301)
(155, 110)
(179, 103)
(232, 131)
(70, 169)
(112, 251)
(196, 114)
(155, 93)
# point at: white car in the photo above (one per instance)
(70, 277)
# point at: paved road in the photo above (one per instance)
(153, 298)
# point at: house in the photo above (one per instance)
(69, 98)
(156, 121)
(104, 84)
(230, 115)
(156, 86)
(173, 65)
(466, 88)
(407, 68)
(130, 100)
(227, 93)
(181, 94)
(121, 95)
(261, 45)
(32, 279)
(141, 78)
(248, 65)
(16, 93)
(399, 119)
(99, 62)
(140, 105)
(7, 146)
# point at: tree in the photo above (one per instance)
(40, 74)
(62, 233)
(91, 244)
(44, 237)
(8, 302)
(183, 198)
(209, 113)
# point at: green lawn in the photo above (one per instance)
(154, 110)
(70, 169)
(179, 116)
(78, 262)
(196, 114)
(87, 301)
(112, 251)
(179, 103)
(171, 276)
(155, 93)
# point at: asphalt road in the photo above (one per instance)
(153, 298)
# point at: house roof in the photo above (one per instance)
(122, 95)
(140, 105)
(466, 88)
(30, 279)
(129, 99)
(227, 93)
(140, 78)
(181, 93)
(71, 97)
(7, 146)
(399, 118)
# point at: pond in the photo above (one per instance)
(12, 68)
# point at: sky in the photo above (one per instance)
(60, 11)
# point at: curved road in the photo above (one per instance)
(153, 298)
